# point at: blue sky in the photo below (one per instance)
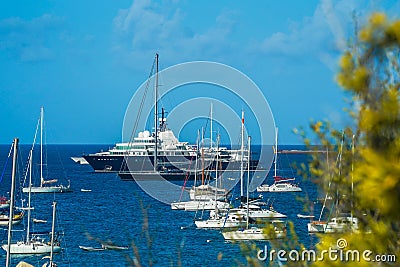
(83, 61)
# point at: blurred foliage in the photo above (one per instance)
(361, 169)
(370, 72)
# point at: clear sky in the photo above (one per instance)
(84, 60)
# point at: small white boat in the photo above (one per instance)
(114, 247)
(104, 247)
(91, 248)
(302, 216)
(79, 160)
(86, 190)
(38, 220)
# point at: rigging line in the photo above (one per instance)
(5, 165)
(228, 210)
(61, 238)
(186, 179)
(135, 125)
(290, 166)
(61, 163)
(46, 157)
(30, 154)
(142, 100)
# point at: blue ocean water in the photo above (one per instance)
(116, 210)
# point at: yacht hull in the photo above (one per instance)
(124, 164)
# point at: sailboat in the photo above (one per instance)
(254, 208)
(220, 218)
(18, 215)
(17, 218)
(256, 211)
(34, 244)
(341, 222)
(4, 203)
(281, 184)
(274, 229)
(204, 196)
(51, 263)
(45, 185)
(207, 191)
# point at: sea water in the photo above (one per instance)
(120, 212)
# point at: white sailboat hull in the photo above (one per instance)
(199, 205)
(206, 205)
(316, 227)
(31, 248)
(335, 225)
(17, 219)
(342, 224)
(259, 213)
(48, 189)
(14, 222)
(4, 206)
(217, 224)
(279, 187)
(253, 234)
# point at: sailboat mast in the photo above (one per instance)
(52, 233)
(41, 147)
(196, 160)
(216, 174)
(211, 126)
(29, 197)
(14, 167)
(202, 156)
(241, 157)
(352, 182)
(248, 182)
(276, 149)
(329, 185)
(156, 116)
(339, 173)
